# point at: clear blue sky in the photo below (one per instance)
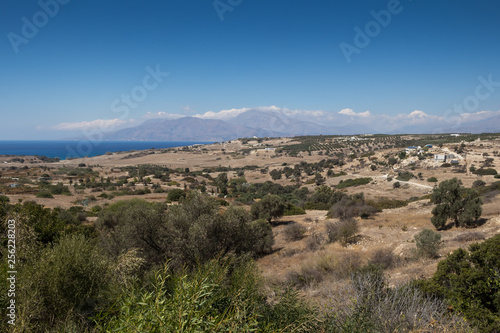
(284, 53)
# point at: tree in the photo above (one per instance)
(269, 207)
(275, 174)
(175, 194)
(221, 183)
(462, 205)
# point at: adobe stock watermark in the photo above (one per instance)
(30, 27)
(223, 6)
(121, 106)
(454, 116)
(372, 29)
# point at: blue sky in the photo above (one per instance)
(283, 55)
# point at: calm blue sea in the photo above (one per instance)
(65, 149)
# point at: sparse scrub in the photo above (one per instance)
(314, 241)
(368, 305)
(341, 231)
(383, 258)
(294, 232)
(470, 236)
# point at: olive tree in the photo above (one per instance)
(462, 205)
(269, 207)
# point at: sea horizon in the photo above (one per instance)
(64, 149)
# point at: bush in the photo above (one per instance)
(396, 185)
(405, 175)
(486, 172)
(341, 231)
(220, 296)
(44, 194)
(432, 180)
(470, 236)
(384, 203)
(354, 182)
(194, 231)
(478, 183)
(269, 207)
(366, 304)
(176, 194)
(383, 258)
(66, 283)
(350, 207)
(469, 280)
(428, 243)
(294, 210)
(294, 232)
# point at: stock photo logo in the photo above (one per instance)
(456, 115)
(372, 29)
(223, 6)
(31, 26)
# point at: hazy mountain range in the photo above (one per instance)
(248, 124)
(262, 123)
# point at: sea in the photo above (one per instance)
(76, 149)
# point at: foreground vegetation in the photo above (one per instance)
(189, 267)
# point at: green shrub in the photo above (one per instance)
(432, 180)
(478, 183)
(405, 175)
(354, 182)
(176, 194)
(44, 194)
(294, 210)
(269, 207)
(220, 296)
(486, 172)
(396, 185)
(63, 285)
(385, 203)
(194, 231)
(469, 280)
(428, 243)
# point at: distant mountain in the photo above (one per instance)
(248, 124)
(275, 124)
(183, 129)
(488, 125)
(278, 124)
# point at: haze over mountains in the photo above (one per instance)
(270, 122)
